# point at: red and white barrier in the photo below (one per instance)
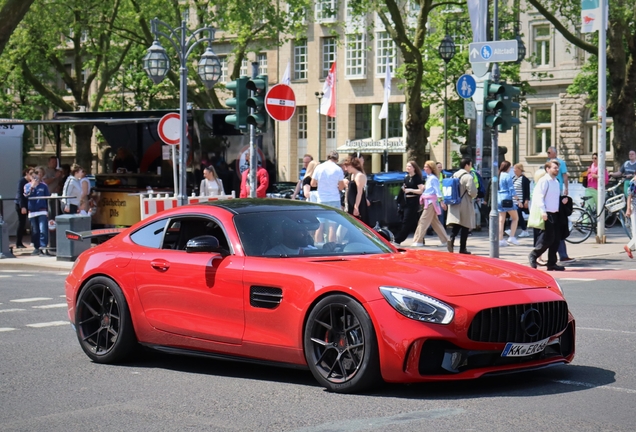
(151, 204)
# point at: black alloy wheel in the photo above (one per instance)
(102, 320)
(341, 347)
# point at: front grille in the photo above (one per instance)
(504, 324)
(265, 297)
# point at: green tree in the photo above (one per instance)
(621, 63)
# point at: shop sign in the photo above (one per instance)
(368, 145)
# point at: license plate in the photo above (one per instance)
(524, 349)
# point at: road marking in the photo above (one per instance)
(57, 305)
(25, 274)
(32, 299)
(11, 310)
(6, 329)
(48, 324)
(590, 385)
(5, 276)
(606, 330)
(577, 279)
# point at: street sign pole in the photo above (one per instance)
(253, 156)
(493, 233)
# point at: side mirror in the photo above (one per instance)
(204, 243)
(386, 234)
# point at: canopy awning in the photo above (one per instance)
(369, 145)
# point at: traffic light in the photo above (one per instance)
(507, 115)
(493, 105)
(259, 116)
(238, 102)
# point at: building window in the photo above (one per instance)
(395, 121)
(591, 134)
(328, 55)
(300, 59)
(363, 121)
(326, 11)
(384, 50)
(38, 137)
(223, 61)
(542, 45)
(262, 64)
(331, 134)
(244, 70)
(355, 56)
(301, 115)
(542, 125)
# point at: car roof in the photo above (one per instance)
(259, 205)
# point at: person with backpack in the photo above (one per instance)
(507, 204)
(462, 215)
(430, 201)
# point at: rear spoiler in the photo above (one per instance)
(85, 235)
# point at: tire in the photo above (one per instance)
(341, 347)
(627, 223)
(610, 219)
(102, 321)
(581, 228)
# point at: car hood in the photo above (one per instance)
(438, 273)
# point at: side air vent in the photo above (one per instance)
(265, 297)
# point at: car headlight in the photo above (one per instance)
(418, 306)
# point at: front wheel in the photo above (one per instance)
(102, 319)
(627, 223)
(581, 225)
(341, 347)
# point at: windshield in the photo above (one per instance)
(306, 232)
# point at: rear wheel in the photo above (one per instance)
(580, 224)
(341, 347)
(627, 223)
(102, 319)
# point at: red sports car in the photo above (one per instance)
(303, 285)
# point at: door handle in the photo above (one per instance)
(160, 265)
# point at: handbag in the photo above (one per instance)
(506, 204)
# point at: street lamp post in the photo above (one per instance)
(157, 64)
(319, 95)
(447, 52)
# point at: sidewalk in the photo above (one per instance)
(478, 244)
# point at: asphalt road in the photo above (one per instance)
(48, 384)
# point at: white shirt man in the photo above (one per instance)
(329, 178)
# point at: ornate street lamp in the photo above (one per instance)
(319, 96)
(446, 52)
(521, 49)
(157, 64)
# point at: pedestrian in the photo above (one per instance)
(38, 212)
(328, 179)
(211, 185)
(522, 188)
(592, 174)
(22, 207)
(356, 197)
(72, 188)
(507, 204)
(628, 169)
(546, 197)
(262, 181)
(563, 179)
(298, 192)
(462, 215)
(630, 212)
(431, 199)
(85, 205)
(409, 203)
(309, 191)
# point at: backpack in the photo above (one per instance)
(481, 187)
(450, 190)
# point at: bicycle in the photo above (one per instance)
(583, 221)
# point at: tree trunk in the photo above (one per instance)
(83, 153)
(11, 15)
(417, 135)
(624, 133)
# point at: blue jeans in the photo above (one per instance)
(563, 252)
(40, 231)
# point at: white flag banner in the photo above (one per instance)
(328, 102)
(478, 12)
(591, 15)
(384, 111)
(286, 79)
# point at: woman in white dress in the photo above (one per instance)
(211, 185)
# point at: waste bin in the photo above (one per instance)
(382, 189)
(69, 250)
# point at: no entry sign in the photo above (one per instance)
(169, 128)
(280, 102)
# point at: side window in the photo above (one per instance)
(150, 235)
(181, 230)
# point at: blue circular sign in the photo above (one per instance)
(466, 86)
(486, 52)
